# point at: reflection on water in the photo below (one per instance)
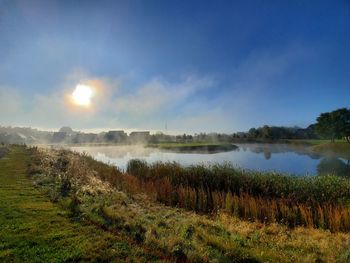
(263, 157)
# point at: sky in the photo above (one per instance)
(195, 66)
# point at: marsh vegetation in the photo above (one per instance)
(320, 201)
(194, 214)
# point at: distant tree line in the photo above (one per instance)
(329, 125)
(273, 132)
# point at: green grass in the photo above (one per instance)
(33, 229)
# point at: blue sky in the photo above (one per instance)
(208, 66)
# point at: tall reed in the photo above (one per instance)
(320, 201)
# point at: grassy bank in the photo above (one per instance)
(195, 147)
(33, 229)
(115, 201)
(338, 148)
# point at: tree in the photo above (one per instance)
(266, 132)
(334, 125)
(253, 133)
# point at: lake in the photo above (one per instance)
(282, 158)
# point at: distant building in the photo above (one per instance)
(115, 136)
(139, 136)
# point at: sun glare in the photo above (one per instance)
(82, 95)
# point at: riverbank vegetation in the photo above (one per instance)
(321, 201)
(146, 205)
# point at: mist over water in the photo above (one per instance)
(281, 158)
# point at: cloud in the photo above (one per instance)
(159, 96)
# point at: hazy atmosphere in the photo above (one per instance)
(220, 66)
(176, 131)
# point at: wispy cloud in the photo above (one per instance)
(158, 96)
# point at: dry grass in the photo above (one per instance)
(312, 202)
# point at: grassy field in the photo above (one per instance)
(115, 201)
(33, 229)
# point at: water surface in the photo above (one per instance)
(283, 158)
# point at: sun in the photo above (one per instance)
(82, 95)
